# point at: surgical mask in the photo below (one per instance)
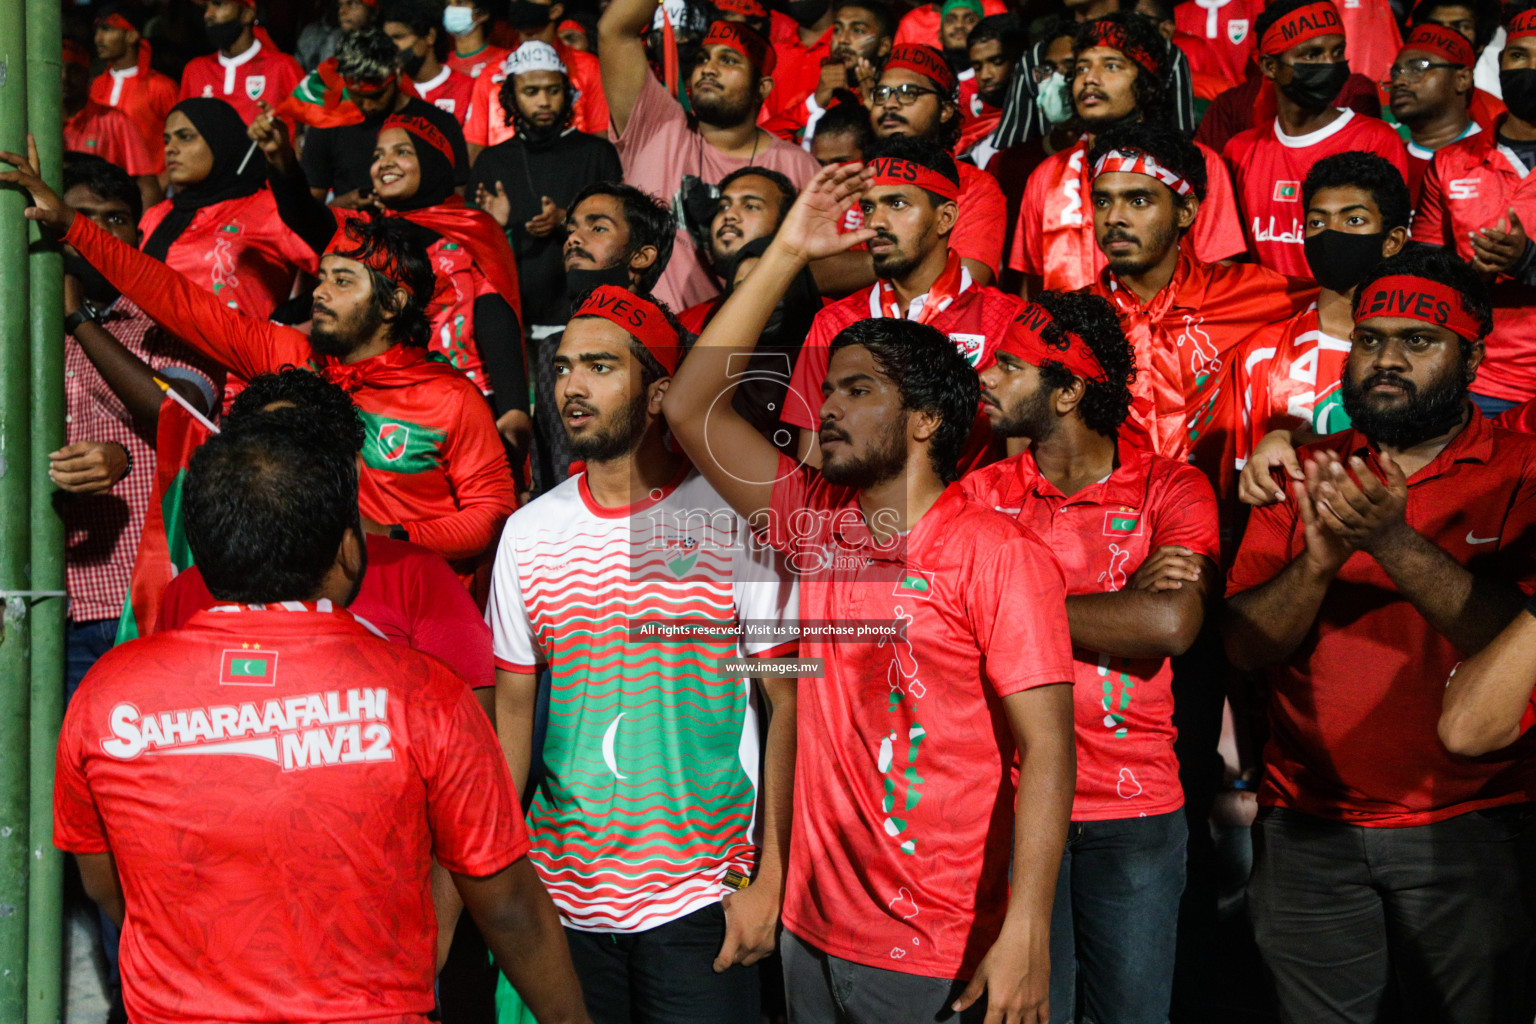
(1519, 88)
(458, 20)
(1053, 99)
(527, 16)
(1339, 260)
(222, 34)
(579, 282)
(1314, 86)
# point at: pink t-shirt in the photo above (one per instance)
(657, 148)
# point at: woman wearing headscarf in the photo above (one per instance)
(220, 227)
(476, 322)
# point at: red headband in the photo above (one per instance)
(1439, 41)
(1417, 298)
(1304, 23)
(424, 130)
(744, 41)
(1108, 33)
(1025, 338)
(74, 53)
(1522, 24)
(571, 25)
(117, 21)
(1132, 162)
(371, 256)
(927, 61)
(746, 8)
(643, 319)
(890, 170)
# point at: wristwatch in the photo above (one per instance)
(398, 532)
(74, 320)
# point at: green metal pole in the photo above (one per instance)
(45, 914)
(15, 540)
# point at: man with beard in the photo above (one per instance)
(1476, 21)
(1121, 65)
(434, 471)
(246, 66)
(862, 32)
(753, 203)
(1430, 84)
(914, 893)
(666, 916)
(1136, 536)
(992, 50)
(1301, 54)
(1185, 318)
(490, 120)
(1476, 195)
(910, 206)
(673, 154)
(1378, 855)
(416, 28)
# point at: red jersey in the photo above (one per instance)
(1471, 184)
(1269, 166)
(107, 133)
(1419, 158)
(1287, 378)
(146, 96)
(921, 24)
(409, 593)
(1101, 535)
(1054, 236)
(1185, 340)
(900, 859)
(274, 786)
(260, 73)
(982, 223)
(486, 124)
(978, 118)
(488, 56)
(459, 283)
(1372, 40)
(238, 249)
(1354, 711)
(795, 77)
(449, 92)
(432, 459)
(1227, 28)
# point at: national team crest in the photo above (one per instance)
(393, 438)
(255, 85)
(248, 667)
(1237, 30)
(1125, 523)
(1287, 191)
(971, 346)
(915, 583)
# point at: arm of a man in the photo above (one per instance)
(477, 470)
(621, 56)
(131, 379)
(98, 876)
(517, 657)
(1489, 696)
(516, 698)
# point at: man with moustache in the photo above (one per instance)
(1407, 547)
(862, 32)
(752, 205)
(129, 83)
(993, 49)
(1430, 85)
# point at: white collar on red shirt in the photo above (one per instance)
(422, 88)
(1333, 127)
(117, 82)
(915, 310)
(324, 606)
(231, 63)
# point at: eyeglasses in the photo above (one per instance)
(1415, 69)
(906, 95)
(1045, 69)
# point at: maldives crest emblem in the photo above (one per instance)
(1237, 30)
(393, 438)
(255, 85)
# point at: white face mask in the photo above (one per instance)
(1053, 99)
(458, 20)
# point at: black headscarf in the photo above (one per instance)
(437, 171)
(224, 132)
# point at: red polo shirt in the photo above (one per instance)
(260, 73)
(449, 92)
(1101, 535)
(146, 96)
(1471, 184)
(101, 131)
(1354, 712)
(906, 768)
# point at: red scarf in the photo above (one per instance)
(485, 240)
(941, 295)
(397, 367)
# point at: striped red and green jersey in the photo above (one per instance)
(651, 754)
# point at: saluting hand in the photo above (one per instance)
(812, 229)
(47, 207)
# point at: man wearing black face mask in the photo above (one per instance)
(1475, 196)
(1287, 376)
(248, 69)
(1301, 54)
(416, 27)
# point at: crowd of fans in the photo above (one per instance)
(824, 510)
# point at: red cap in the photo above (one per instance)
(1112, 35)
(890, 170)
(1417, 298)
(425, 130)
(744, 41)
(927, 61)
(1439, 41)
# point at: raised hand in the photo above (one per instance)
(496, 204)
(1495, 250)
(47, 207)
(271, 137)
(550, 217)
(812, 229)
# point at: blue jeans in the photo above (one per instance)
(84, 642)
(1115, 920)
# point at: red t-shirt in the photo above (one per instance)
(1354, 712)
(1287, 378)
(146, 96)
(273, 785)
(449, 92)
(1268, 168)
(260, 73)
(1054, 235)
(1227, 28)
(488, 56)
(906, 766)
(486, 123)
(1471, 184)
(238, 249)
(982, 222)
(109, 134)
(978, 118)
(1101, 535)
(795, 77)
(408, 592)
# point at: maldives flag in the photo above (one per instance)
(320, 100)
(163, 550)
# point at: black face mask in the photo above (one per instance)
(1519, 87)
(411, 64)
(222, 34)
(1313, 86)
(1339, 259)
(808, 12)
(527, 16)
(579, 282)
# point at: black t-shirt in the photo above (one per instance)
(339, 158)
(559, 169)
